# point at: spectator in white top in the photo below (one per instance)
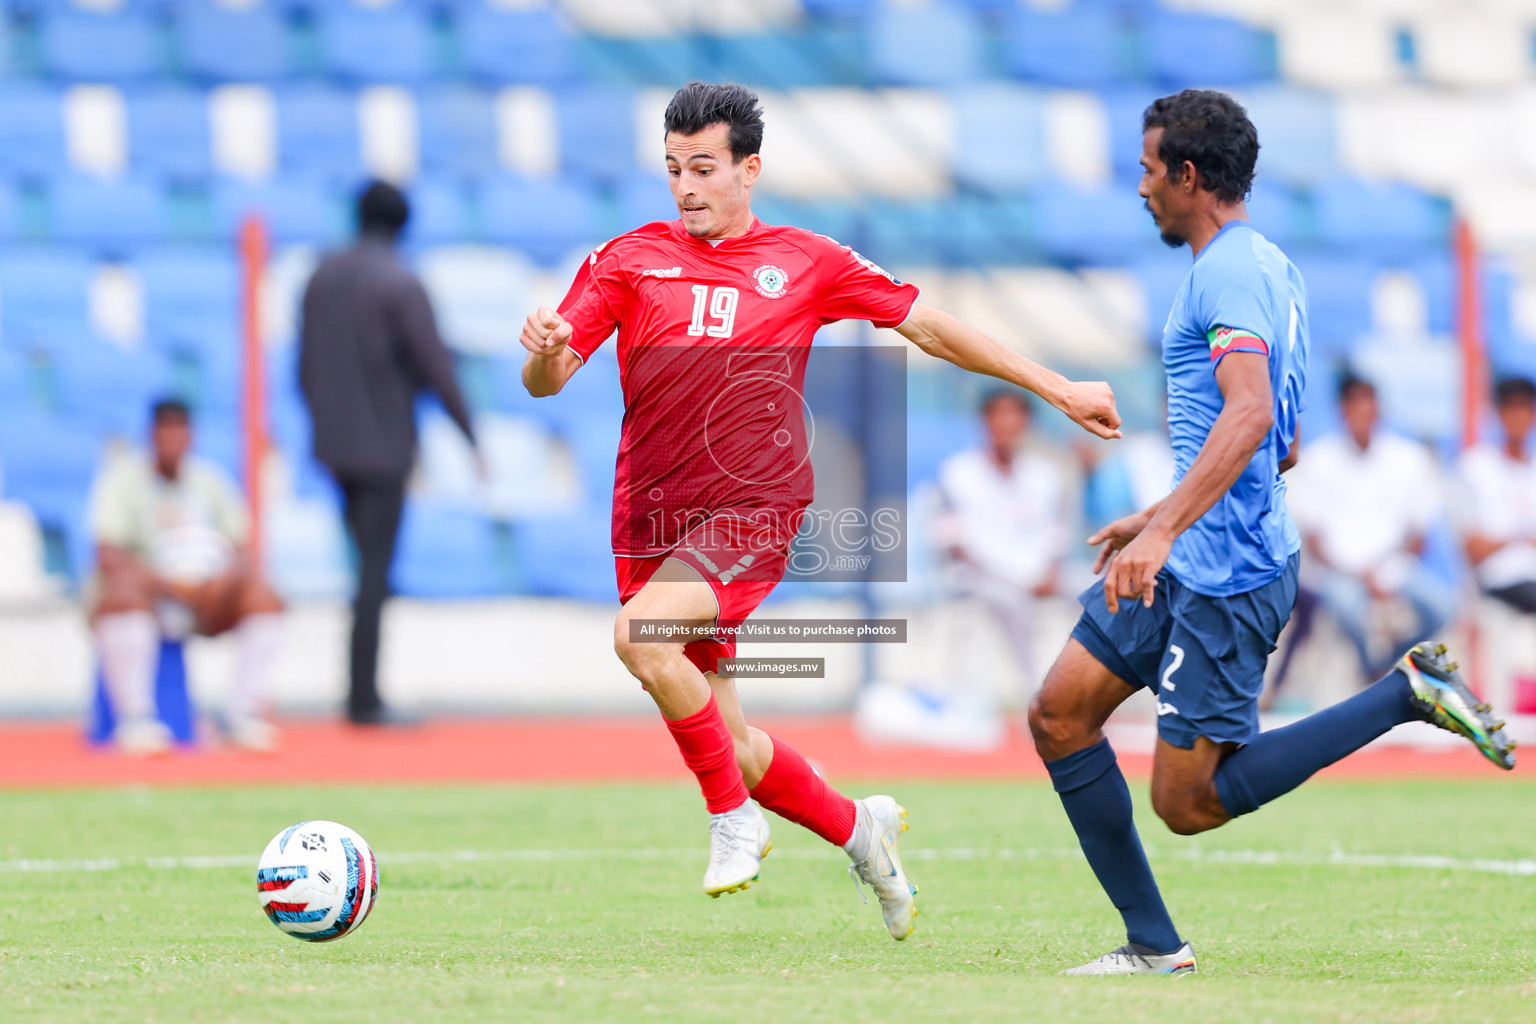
(1496, 512)
(1364, 499)
(1003, 531)
(171, 536)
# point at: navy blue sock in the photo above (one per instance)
(1098, 803)
(1278, 761)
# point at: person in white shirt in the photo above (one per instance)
(1364, 499)
(1003, 531)
(171, 533)
(1496, 510)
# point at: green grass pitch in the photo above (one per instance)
(580, 936)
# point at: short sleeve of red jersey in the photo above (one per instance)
(850, 287)
(593, 303)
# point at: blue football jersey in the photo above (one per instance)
(1241, 295)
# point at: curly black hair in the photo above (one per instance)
(1210, 130)
(698, 105)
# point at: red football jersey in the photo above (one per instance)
(713, 341)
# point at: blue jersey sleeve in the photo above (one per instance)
(1231, 306)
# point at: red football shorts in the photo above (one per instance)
(741, 574)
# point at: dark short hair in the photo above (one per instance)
(1510, 390)
(170, 409)
(1350, 383)
(992, 396)
(382, 208)
(698, 105)
(1210, 130)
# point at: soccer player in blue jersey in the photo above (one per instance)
(1197, 588)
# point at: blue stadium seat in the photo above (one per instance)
(545, 219)
(218, 438)
(110, 215)
(1185, 50)
(1297, 134)
(97, 47)
(933, 437)
(634, 61)
(644, 198)
(1108, 225)
(189, 293)
(317, 132)
(1277, 213)
(1125, 107)
(106, 389)
(934, 44)
(10, 214)
(1338, 299)
(775, 60)
(296, 209)
(1377, 216)
(169, 134)
(1078, 47)
(448, 552)
(49, 465)
(221, 43)
(569, 556)
(44, 294)
(514, 47)
(990, 231)
(439, 212)
(597, 132)
(385, 44)
(846, 11)
(594, 445)
(999, 138)
(31, 130)
(842, 221)
(458, 132)
(902, 234)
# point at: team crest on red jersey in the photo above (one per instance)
(770, 281)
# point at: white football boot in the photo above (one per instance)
(1133, 958)
(877, 862)
(738, 842)
(142, 737)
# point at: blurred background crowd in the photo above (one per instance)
(985, 149)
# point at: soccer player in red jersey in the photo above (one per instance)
(715, 313)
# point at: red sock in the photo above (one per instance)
(710, 752)
(792, 790)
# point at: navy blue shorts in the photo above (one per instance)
(1203, 656)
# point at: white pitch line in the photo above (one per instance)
(1194, 855)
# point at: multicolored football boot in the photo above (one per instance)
(1450, 703)
(878, 864)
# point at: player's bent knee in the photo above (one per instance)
(1183, 816)
(1055, 734)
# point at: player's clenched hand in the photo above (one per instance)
(1133, 572)
(1116, 536)
(1091, 405)
(545, 332)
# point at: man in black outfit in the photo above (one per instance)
(369, 344)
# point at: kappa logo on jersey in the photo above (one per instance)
(662, 272)
(770, 280)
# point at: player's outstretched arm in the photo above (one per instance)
(550, 363)
(1090, 404)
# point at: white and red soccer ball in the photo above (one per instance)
(317, 880)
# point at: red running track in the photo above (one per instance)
(565, 749)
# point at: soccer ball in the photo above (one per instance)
(317, 880)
